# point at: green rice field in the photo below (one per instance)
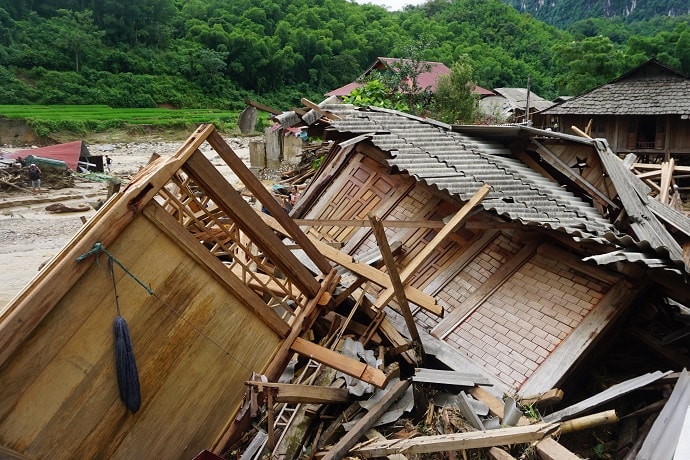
(48, 119)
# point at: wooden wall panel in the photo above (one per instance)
(60, 396)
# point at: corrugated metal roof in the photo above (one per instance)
(460, 164)
(458, 159)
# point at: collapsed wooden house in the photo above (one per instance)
(504, 253)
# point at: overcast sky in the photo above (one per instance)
(393, 5)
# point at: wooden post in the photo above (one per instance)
(271, 419)
(398, 287)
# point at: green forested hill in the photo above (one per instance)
(216, 53)
(562, 13)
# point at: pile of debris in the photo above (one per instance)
(15, 177)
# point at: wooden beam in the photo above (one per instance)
(550, 449)
(479, 296)
(364, 223)
(341, 448)
(374, 275)
(408, 272)
(666, 179)
(264, 196)
(458, 441)
(394, 275)
(263, 107)
(555, 367)
(556, 162)
(548, 398)
(340, 362)
(308, 394)
(316, 108)
(234, 206)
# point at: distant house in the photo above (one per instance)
(426, 80)
(645, 111)
(511, 104)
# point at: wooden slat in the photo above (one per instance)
(443, 377)
(231, 202)
(364, 223)
(264, 196)
(458, 441)
(307, 394)
(340, 362)
(408, 272)
(550, 449)
(493, 283)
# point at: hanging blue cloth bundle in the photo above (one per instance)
(126, 365)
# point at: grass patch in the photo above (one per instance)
(52, 120)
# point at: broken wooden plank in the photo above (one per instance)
(396, 282)
(364, 223)
(444, 377)
(547, 398)
(607, 395)
(549, 449)
(339, 450)
(309, 394)
(340, 362)
(458, 441)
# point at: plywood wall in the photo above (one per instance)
(195, 343)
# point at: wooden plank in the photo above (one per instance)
(231, 202)
(309, 394)
(409, 271)
(549, 449)
(340, 362)
(548, 398)
(444, 377)
(458, 441)
(374, 275)
(339, 450)
(666, 178)
(555, 367)
(398, 288)
(264, 196)
(491, 285)
(499, 454)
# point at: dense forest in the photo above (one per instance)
(562, 13)
(217, 53)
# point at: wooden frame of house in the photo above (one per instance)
(211, 295)
(519, 302)
(645, 111)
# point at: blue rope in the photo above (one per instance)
(99, 248)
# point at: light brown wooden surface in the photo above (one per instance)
(190, 341)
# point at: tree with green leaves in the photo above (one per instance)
(454, 100)
(77, 32)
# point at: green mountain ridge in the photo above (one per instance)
(562, 13)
